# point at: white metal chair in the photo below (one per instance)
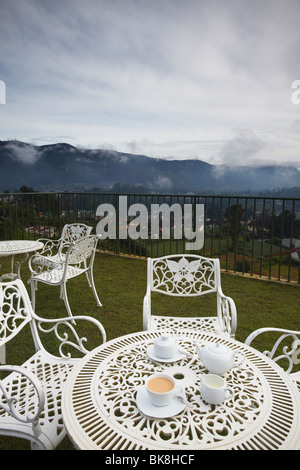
(188, 276)
(30, 395)
(285, 348)
(73, 260)
(55, 249)
(70, 233)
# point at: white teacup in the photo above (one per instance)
(161, 389)
(214, 390)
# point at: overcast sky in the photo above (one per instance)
(206, 79)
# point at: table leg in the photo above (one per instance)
(15, 269)
(10, 276)
(19, 263)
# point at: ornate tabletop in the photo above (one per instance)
(100, 407)
(17, 247)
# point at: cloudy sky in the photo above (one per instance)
(206, 79)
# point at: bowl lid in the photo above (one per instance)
(165, 339)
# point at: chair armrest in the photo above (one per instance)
(227, 315)
(255, 333)
(9, 405)
(49, 245)
(38, 263)
(285, 347)
(260, 331)
(62, 328)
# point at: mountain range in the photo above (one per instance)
(63, 167)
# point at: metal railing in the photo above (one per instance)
(257, 236)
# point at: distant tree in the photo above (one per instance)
(26, 189)
(287, 225)
(234, 215)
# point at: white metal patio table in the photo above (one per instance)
(13, 248)
(17, 247)
(100, 408)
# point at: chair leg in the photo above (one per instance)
(61, 293)
(65, 299)
(92, 284)
(87, 274)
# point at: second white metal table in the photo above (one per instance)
(17, 247)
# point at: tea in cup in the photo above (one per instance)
(214, 390)
(161, 389)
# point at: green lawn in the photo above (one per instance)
(121, 285)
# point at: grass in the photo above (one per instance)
(121, 285)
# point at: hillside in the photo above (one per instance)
(61, 167)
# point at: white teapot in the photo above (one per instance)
(165, 346)
(218, 358)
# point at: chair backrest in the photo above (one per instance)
(82, 250)
(15, 309)
(73, 232)
(183, 275)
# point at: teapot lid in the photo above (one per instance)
(218, 348)
(165, 338)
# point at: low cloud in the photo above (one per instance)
(24, 153)
(243, 149)
(164, 182)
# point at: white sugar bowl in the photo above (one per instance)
(165, 346)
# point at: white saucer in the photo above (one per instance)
(145, 406)
(151, 353)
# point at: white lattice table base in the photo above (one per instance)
(100, 410)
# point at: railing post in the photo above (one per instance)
(117, 241)
(59, 212)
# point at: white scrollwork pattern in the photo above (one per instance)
(13, 313)
(9, 399)
(287, 355)
(183, 277)
(205, 424)
(262, 412)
